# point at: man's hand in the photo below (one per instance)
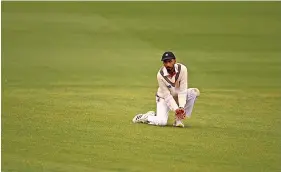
(180, 114)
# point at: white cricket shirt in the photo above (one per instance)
(173, 92)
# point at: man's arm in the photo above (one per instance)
(183, 87)
(167, 95)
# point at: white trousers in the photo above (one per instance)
(162, 110)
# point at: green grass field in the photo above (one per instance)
(75, 74)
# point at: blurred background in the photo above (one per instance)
(74, 74)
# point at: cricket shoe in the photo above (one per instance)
(143, 118)
(140, 118)
(178, 123)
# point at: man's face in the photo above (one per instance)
(169, 64)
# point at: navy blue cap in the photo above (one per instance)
(168, 55)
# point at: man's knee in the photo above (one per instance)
(193, 92)
(162, 121)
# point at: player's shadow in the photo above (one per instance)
(185, 126)
(170, 125)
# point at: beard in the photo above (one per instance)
(170, 69)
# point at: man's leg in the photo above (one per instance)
(162, 113)
(192, 94)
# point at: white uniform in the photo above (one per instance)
(172, 93)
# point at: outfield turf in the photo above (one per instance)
(74, 75)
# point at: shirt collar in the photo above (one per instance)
(166, 72)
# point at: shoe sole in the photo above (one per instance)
(179, 125)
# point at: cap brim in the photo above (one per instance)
(167, 58)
